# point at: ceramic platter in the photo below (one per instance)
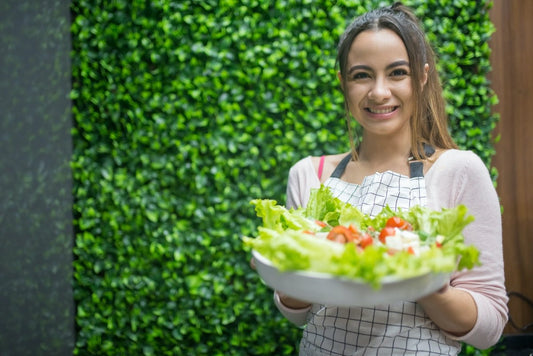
(331, 290)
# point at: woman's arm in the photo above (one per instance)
(453, 310)
(302, 178)
(474, 308)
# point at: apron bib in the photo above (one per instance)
(401, 328)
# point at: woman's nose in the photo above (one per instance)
(379, 91)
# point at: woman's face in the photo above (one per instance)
(378, 84)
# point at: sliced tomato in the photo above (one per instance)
(386, 231)
(341, 234)
(366, 240)
(321, 223)
(399, 223)
(353, 229)
(410, 250)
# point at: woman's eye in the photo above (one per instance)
(399, 72)
(360, 75)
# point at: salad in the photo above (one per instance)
(333, 237)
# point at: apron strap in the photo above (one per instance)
(341, 167)
(416, 168)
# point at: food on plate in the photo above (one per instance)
(334, 237)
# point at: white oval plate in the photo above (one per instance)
(331, 290)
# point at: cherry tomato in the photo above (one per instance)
(399, 223)
(386, 231)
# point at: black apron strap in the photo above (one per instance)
(428, 150)
(341, 167)
(416, 168)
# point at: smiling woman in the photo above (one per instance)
(405, 158)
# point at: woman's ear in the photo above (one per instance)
(425, 77)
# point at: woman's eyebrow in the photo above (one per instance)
(359, 67)
(394, 64)
(398, 63)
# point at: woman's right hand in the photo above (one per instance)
(287, 301)
(291, 302)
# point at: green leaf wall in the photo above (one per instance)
(184, 111)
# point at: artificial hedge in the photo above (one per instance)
(184, 111)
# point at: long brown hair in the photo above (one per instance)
(429, 123)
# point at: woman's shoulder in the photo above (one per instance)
(457, 161)
(333, 158)
(458, 157)
(303, 168)
(303, 163)
(312, 163)
(325, 165)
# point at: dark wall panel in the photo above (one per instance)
(36, 304)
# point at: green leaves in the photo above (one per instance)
(459, 31)
(184, 112)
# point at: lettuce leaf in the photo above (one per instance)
(279, 218)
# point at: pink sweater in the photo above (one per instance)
(457, 177)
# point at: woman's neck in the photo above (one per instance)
(382, 151)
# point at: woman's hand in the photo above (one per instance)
(291, 302)
(287, 301)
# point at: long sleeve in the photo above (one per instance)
(460, 177)
(302, 178)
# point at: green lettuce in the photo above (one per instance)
(287, 238)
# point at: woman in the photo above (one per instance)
(406, 157)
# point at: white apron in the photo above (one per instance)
(401, 328)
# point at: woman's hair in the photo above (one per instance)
(429, 120)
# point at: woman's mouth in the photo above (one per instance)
(381, 110)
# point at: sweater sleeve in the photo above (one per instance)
(302, 178)
(462, 178)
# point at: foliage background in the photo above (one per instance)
(184, 111)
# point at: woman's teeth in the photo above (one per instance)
(382, 111)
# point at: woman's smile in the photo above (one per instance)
(381, 113)
(381, 110)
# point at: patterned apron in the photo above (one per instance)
(401, 328)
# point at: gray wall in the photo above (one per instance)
(36, 301)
